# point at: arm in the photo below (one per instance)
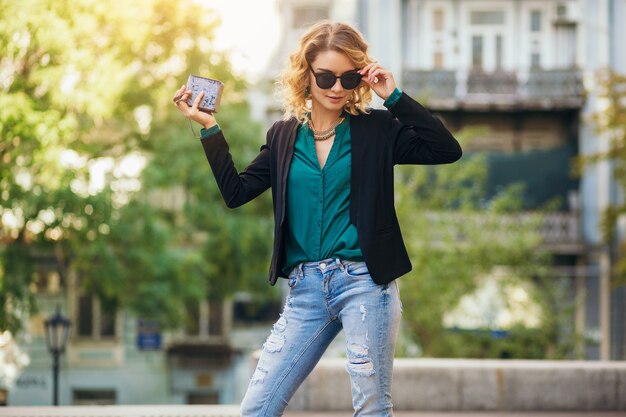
(420, 138)
(236, 188)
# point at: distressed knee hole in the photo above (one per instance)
(259, 375)
(356, 350)
(363, 312)
(276, 339)
(280, 325)
(359, 364)
(361, 367)
(274, 343)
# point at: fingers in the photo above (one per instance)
(366, 68)
(180, 100)
(179, 93)
(197, 101)
(374, 75)
(373, 72)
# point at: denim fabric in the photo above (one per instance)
(324, 298)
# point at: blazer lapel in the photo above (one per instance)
(357, 135)
(285, 153)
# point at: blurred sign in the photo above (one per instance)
(148, 335)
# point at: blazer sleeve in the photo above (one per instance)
(419, 137)
(237, 188)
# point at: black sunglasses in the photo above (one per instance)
(349, 80)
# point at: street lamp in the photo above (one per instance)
(57, 332)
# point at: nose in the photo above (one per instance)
(337, 86)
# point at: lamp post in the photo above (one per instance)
(57, 332)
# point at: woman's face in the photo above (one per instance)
(334, 98)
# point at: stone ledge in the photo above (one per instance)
(473, 385)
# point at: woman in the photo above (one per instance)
(329, 164)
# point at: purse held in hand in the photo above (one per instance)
(212, 92)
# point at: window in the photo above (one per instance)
(535, 21)
(85, 316)
(46, 281)
(487, 18)
(499, 51)
(93, 320)
(305, 15)
(438, 60)
(438, 20)
(565, 49)
(477, 52)
(216, 318)
(205, 319)
(535, 60)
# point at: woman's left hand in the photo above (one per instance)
(379, 79)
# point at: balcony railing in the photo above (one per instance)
(560, 228)
(536, 89)
(560, 231)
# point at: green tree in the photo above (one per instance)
(610, 123)
(86, 83)
(456, 237)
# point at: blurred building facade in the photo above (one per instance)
(525, 69)
(114, 357)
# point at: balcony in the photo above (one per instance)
(499, 90)
(560, 232)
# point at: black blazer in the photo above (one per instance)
(405, 134)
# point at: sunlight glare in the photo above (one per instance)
(249, 33)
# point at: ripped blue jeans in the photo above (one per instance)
(325, 297)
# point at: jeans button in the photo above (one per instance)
(323, 265)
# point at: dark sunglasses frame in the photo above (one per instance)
(326, 80)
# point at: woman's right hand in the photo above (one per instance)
(191, 112)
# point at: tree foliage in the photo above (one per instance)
(610, 124)
(85, 92)
(456, 237)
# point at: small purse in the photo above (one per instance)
(212, 92)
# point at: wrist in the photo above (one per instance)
(209, 125)
(393, 98)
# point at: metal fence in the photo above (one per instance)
(561, 88)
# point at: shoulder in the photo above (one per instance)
(280, 130)
(282, 125)
(374, 116)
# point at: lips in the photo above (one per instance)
(334, 98)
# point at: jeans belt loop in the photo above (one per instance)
(340, 264)
(300, 270)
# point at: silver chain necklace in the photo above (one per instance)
(320, 135)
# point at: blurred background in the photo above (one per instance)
(110, 216)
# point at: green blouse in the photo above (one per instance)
(318, 200)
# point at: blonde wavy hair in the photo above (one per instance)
(323, 36)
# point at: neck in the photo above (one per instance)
(323, 119)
